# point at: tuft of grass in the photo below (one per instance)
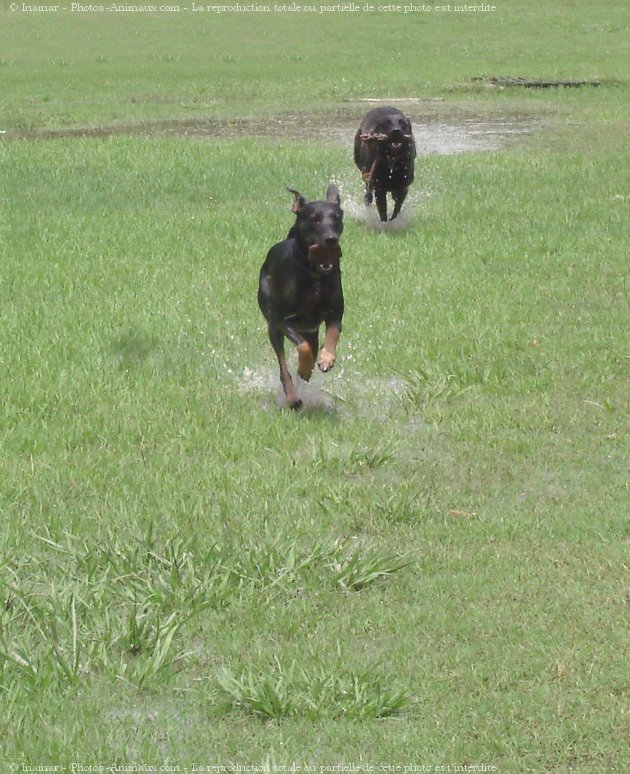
(428, 390)
(264, 695)
(313, 693)
(373, 457)
(361, 566)
(150, 641)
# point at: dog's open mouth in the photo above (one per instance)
(324, 259)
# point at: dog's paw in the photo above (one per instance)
(326, 360)
(305, 375)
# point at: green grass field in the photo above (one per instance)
(428, 566)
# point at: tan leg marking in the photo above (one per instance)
(328, 351)
(305, 360)
(287, 382)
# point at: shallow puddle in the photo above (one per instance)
(377, 398)
(433, 134)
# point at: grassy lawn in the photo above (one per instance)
(428, 565)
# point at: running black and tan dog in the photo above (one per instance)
(384, 151)
(300, 287)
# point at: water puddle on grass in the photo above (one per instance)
(375, 398)
(354, 208)
(470, 135)
(434, 133)
(314, 394)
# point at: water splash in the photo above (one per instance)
(313, 394)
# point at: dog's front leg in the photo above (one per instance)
(276, 336)
(368, 178)
(306, 356)
(328, 351)
(399, 197)
(381, 203)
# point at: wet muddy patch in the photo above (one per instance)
(374, 398)
(315, 395)
(435, 130)
(529, 83)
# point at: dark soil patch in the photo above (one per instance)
(527, 83)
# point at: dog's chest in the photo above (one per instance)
(389, 168)
(311, 302)
(311, 299)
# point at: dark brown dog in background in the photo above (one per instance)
(384, 151)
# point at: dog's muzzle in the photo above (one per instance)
(324, 258)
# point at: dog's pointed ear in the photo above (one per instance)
(298, 202)
(332, 194)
